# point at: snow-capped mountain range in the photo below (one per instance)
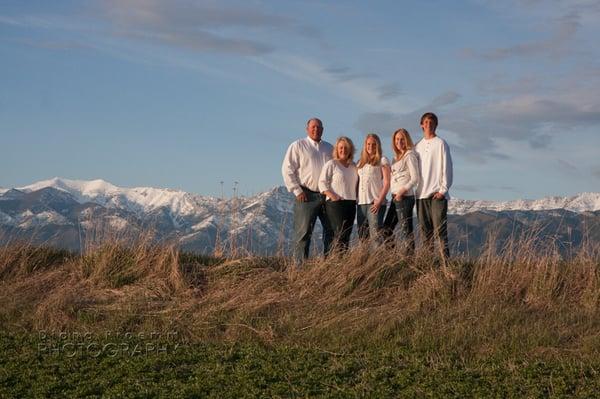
(583, 202)
(65, 211)
(144, 199)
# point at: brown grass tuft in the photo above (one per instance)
(524, 297)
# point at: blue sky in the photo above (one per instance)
(186, 94)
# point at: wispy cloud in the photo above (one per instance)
(389, 121)
(201, 41)
(532, 119)
(52, 44)
(567, 168)
(443, 99)
(203, 26)
(345, 74)
(362, 88)
(574, 106)
(186, 14)
(389, 90)
(563, 32)
(563, 24)
(505, 84)
(199, 26)
(478, 128)
(4, 20)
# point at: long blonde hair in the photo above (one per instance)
(365, 158)
(409, 143)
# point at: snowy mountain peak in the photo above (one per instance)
(81, 187)
(135, 199)
(582, 202)
(144, 199)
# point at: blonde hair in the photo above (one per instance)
(348, 143)
(365, 158)
(409, 143)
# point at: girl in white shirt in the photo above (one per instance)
(405, 177)
(373, 186)
(338, 183)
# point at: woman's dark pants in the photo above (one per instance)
(401, 212)
(341, 216)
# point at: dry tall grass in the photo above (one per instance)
(523, 298)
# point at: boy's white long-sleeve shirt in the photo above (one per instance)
(435, 165)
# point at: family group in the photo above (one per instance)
(330, 186)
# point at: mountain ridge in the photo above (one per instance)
(149, 198)
(72, 213)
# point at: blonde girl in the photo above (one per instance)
(405, 177)
(373, 186)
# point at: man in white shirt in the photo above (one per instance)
(435, 181)
(301, 169)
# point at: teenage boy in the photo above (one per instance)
(435, 181)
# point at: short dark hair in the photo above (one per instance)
(432, 116)
(314, 119)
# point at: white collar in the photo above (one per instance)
(313, 142)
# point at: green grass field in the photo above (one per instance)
(148, 321)
(34, 367)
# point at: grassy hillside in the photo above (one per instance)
(520, 314)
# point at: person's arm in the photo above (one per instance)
(413, 170)
(325, 182)
(289, 170)
(386, 172)
(412, 163)
(446, 169)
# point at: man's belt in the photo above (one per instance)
(304, 188)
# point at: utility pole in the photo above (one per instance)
(234, 221)
(218, 250)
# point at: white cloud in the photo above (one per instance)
(362, 89)
(200, 26)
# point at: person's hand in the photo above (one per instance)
(334, 197)
(398, 196)
(438, 196)
(375, 207)
(301, 197)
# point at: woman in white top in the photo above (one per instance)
(373, 186)
(338, 182)
(405, 177)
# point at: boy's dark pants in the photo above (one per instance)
(433, 219)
